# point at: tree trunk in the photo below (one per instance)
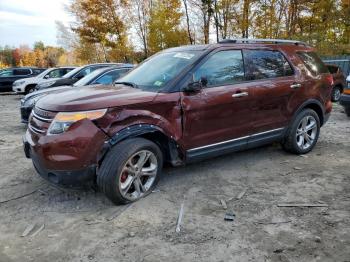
(188, 23)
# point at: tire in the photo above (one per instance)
(122, 164)
(296, 135)
(29, 89)
(336, 92)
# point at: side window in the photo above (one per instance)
(313, 63)
(222, 68)
(110, 77)
(21, 72)
(54, 73)
(262, 64)
(37, 71)
(6, 73)
(83, 72)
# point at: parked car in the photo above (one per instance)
(73, 76)
(182, 105)
(102, 76)
(27, 85)
(345, 97)
(10, 75)
(339, 81)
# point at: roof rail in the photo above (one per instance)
(256, 41)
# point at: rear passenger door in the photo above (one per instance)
(273, 82)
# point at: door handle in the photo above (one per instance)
(295, 86)
(240, 94)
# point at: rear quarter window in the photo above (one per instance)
(261, 64)
(313, 63)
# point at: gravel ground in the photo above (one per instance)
(82, 225)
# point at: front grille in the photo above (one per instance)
(40, 120)
(42, 114)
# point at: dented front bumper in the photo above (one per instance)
(69, 158)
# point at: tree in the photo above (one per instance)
(164, 27)
(99, 22)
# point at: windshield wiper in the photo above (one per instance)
(127, 84)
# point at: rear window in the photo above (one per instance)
(21, 72)
(313, 63)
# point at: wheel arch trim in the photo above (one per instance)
(314, 104)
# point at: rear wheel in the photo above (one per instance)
(130, 170)
(336, 93)
(303, 134)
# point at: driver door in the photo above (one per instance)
(217, 118)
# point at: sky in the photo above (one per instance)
(28, 21)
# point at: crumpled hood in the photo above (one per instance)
(94, 97)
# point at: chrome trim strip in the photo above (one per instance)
(35, 130)
(41, 118)
(236, 139)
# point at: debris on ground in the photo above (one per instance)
(223, 203)
(179, 219)
(38, 230)
(28, 230)
(240, 195)
(297, 168)
(301, 205)
(273, 222)
(229, 216)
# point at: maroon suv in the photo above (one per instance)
(181, 105)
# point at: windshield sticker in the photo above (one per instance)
(184, 55)
(158, 83)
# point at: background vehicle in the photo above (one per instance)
(73, 76)
(102, 76)
(339, 81)
(9, 75)
(27, 85)
(182, 105)
(345, 97)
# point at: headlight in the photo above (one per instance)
(18, 83)
(31, 101)
(64, 120)
(46, 84)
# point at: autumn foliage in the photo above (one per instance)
(132, 30)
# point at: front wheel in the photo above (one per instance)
(130, 170)
(303, 134)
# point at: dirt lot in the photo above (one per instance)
(81, 225)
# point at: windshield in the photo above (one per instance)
(86, 79)
(73, 72)
(41, 75)
(159, 70)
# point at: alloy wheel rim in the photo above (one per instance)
(337, 94)
(306, 132)
(138, 175)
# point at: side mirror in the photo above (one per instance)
(46, 76)
(196, 86)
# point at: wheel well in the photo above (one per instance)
(29, 86)
(340, 86)
(168, 146)
(317, 109)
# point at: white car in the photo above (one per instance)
(27, 85)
